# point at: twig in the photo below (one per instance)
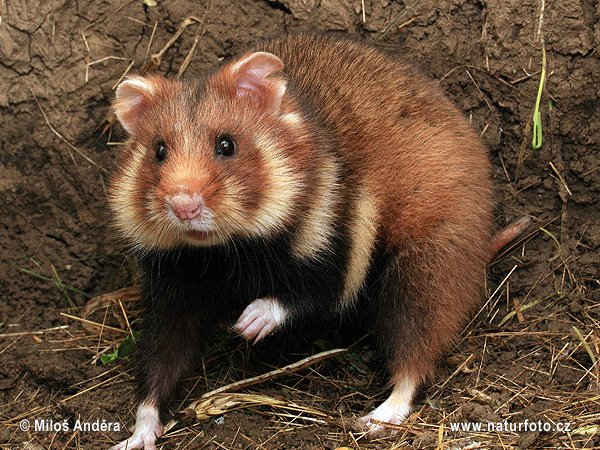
(156, 58)
(540, 36)
(151, 39)
(91, 322)
(27, 333)
(87, 59)
(458, 369)
(124, 74)
(107, 58)
(60, 136)
(190, 54)
(493, 295)
(218, 401)
(362, 5)
(487, 102)
(396, 20)
(585, 344)
(560, 177)
(291, 368)
(521, 157)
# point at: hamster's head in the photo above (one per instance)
(208, 163)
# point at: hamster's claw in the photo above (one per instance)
(376, 426)
(260, 318)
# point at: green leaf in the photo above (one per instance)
(107, 358)
(126, 348)
(537, 116)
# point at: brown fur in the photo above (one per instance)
(426, 169)
(353, 168)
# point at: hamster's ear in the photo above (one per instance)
(134, 96)
(251, 76)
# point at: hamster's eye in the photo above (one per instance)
(225, 146)
(161, 151)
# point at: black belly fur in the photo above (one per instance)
(189, 292)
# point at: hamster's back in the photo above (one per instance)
(401, 137)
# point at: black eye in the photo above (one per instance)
(161, 151)
(225, 146)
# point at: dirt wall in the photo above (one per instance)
(60, 62)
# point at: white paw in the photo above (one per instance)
(147, 429)
(386, 414)
(260, 318)
(394, 410)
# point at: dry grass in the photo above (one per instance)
(549, 330)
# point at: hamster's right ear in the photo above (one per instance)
(134, 96)
(252, 75)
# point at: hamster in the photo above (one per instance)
(311, 177)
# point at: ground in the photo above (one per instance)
(530, 354)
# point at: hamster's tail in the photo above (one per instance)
(508, 235)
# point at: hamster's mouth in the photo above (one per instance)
(197, 235)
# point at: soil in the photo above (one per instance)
(59, 64)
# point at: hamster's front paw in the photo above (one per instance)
(260, 318)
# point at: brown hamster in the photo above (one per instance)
(310, 177)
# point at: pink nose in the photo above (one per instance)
(187, 206)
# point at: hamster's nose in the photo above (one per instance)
(186, 206)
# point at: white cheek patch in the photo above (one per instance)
(123, 194)
(395, 409)
(261, 318)
(147, 429)
(280, 192)
(315, 230)
(147, 228)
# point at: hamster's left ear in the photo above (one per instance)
(252, 76)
